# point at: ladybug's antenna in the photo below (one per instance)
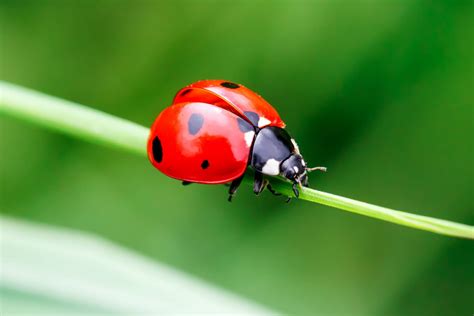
(323, 169)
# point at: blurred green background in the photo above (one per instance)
(380, 92)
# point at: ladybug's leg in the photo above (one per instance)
(304, 181)
(259, 183)
(269, 187)
(295, 190)
(233, 187)
(186, 183)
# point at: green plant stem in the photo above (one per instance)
(92, 125)
(72, 118)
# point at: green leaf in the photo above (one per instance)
(56, 270)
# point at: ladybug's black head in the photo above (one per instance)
(294, 169)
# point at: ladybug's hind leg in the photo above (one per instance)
(233, 187)
(186, 183)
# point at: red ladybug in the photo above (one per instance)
(215, 129)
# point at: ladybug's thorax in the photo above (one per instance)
(274, 153)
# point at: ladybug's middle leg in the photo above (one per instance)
(259, 183)
(270, 188)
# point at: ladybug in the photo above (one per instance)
(214, 129)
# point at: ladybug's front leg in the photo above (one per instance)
(304, 181)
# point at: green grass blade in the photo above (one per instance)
(72, 118)
(92, 125)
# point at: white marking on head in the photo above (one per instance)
(249, 138)
(295, 168)
(271, 167)
(263, 122)
(303, 163)
(297, 149)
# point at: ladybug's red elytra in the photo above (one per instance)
(214, 129)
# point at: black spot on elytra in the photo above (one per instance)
(195, 123)
(205, 164)
(253, 117)
(157, 150)
(230, 85)
(244, 126)
(185, 92)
